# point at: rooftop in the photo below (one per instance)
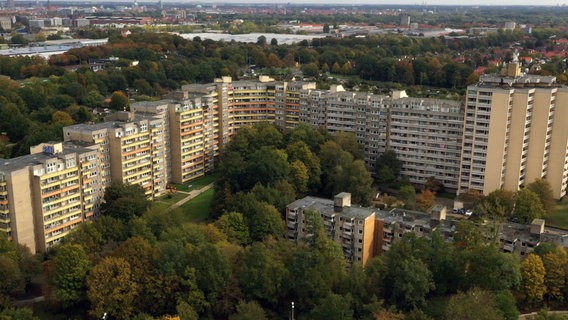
(22, 162)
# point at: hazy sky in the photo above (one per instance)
(404, 2)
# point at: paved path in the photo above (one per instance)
(190, 195)
(532, 314)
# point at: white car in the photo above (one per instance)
(468, 213)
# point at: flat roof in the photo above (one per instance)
(13, 164)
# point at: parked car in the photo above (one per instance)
(468, 213)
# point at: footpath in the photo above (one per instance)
(190, 195)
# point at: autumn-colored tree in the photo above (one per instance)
(119, 101)
(62, 118)
(532, 279)
(426, 200)
(111, 289)
(472, 197)
(298, 178)
(555, 274)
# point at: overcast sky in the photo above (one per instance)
(404, 2)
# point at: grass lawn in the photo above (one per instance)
(559, 218)
(198, 208)
(198, 183)
(164, 202)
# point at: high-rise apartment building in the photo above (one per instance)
(46, 194)
(133, 149)
(425, 133)
(509, 132)
(514, 133)
(241, 103)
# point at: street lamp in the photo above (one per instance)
(292, 314)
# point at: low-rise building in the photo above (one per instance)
(364, 233)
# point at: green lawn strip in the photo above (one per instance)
(198, 208)
(559, 218)
(197, 183)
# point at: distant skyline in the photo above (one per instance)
(403, 2)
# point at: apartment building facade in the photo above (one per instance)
(364, 233)
(241, 103)
(350, 226)
(514, 133)
(133, 149)
(425, 133)
(49, 192)
(509, 132)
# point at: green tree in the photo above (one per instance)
(310, 70)
(266, 166)
(279, 196)
(353, 177)
(111, 289)
(532, 279)
(301, 151)
(507, 304)
(528, 206)
(408, 195)
(261, 41)
(264, 220)
(119, 101)
(333, 307)
(299, 178)
(389, 159)
(94, 99)
(385, 177)
(234, 225)
(17, 314)
(125, 201)
(186, 312)
(213, 273)
(348, 142)
(475, 304)
(467, 236)
(70, 280)
(248, 311)
(13, 283)
(262, 275)
(498, 205)
(488, 268)
(406, 279)
(544, 192)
